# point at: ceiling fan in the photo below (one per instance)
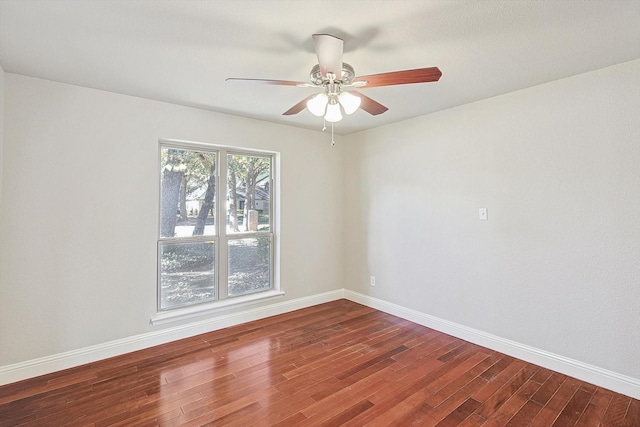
(338, 80)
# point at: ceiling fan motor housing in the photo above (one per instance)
(346, 76)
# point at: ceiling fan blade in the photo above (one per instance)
(420, 75)
(369, 105)
(266, 82)
(329, 50)
(299, 106)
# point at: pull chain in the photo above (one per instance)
(324, 128)
(332, 141)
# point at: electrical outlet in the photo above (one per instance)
(373, 280)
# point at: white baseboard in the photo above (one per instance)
(601, 377)
(70, 359)
(592, 374)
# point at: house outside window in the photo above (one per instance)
(216, 228)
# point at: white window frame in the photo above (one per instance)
(221, 238)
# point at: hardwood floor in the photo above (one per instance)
(334, 364)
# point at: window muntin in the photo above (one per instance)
(200, 258)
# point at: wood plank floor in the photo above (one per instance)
(334, 364)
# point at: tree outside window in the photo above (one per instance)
(191, 230)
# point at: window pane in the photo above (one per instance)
(187, 193)
(186, 274)
(249, 265)
(248, 193)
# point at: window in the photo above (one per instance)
(216, 229)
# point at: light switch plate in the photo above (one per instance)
(483, 214)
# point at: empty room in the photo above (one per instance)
(304, 213)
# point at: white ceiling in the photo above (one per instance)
(181, 51)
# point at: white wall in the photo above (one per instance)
(557, 265)
(80, 197)
(1, 133)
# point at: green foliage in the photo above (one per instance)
(249, 171)
(249, 168)
(196, 165)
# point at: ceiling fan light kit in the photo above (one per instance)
(328, 103)
(338, 79)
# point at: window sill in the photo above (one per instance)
(204, 309)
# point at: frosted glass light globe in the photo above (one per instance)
(318, 104)
(349, 102)
(333, 113)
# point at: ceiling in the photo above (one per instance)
(181, 51)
